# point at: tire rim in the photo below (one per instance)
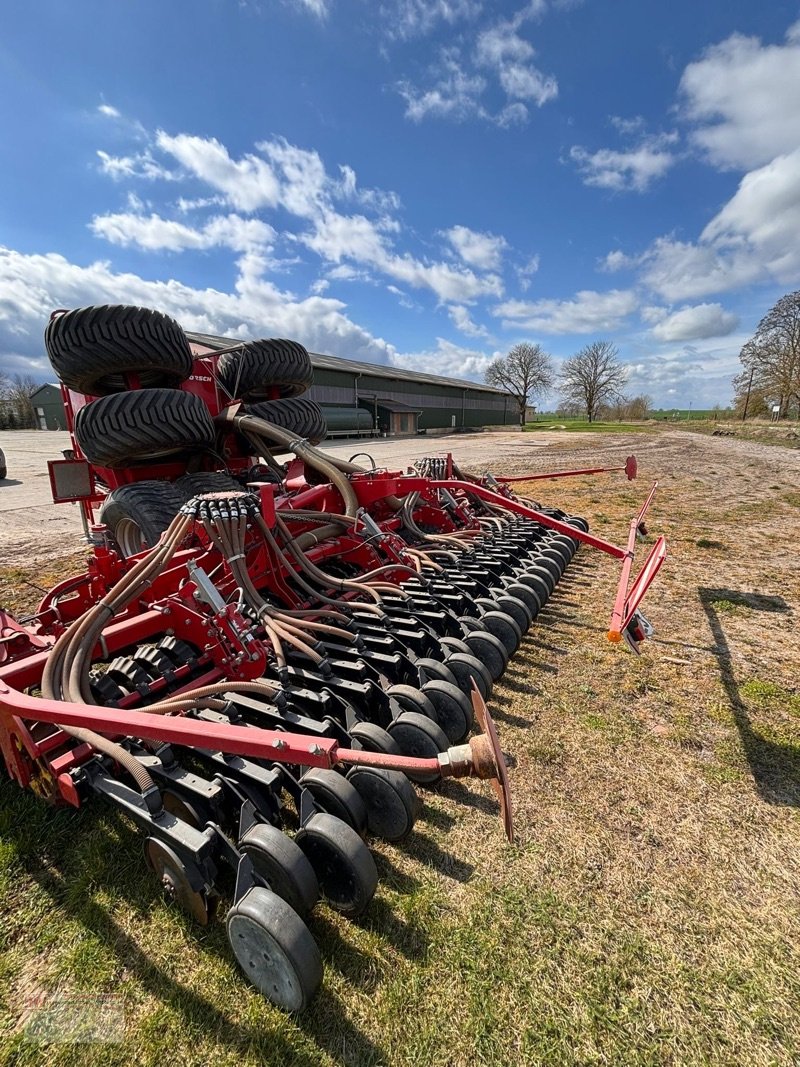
(129, 537)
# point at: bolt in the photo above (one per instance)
(315, 750)
(280, 745)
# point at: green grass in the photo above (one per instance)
(584, 426)
(648, 914)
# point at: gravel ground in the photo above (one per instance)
(32, 528)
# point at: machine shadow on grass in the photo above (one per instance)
(775, 765)
(326, 1023)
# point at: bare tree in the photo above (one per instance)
(18, 393)
(593, 376)
(639, 407)
(771, 361)
(526, 372)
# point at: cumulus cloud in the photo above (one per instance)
(616, 260)
(141, 165)
(587, 312)
(154, 233)
(696, 323)
(31, 285)
(501, 49)
(742, 95)
(481, 250)
(461, 319)
(627, 170)
(753, 238)
(248, 184)
(499, 57)
(283, 175)
(448, 359)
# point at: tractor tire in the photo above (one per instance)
(137, 514)
(93, 349)
(190, 485)
(118, 431)
(258, 367)
(299, 416)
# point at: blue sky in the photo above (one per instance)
(413, 182)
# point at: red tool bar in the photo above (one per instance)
(273, 745)
(645, 507)
(629, 467)
(652, 565)
(177, 730)
(622, 614)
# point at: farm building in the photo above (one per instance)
(369, 397)
(48, 407)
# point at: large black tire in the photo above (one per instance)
(253, 370)
(138, 514)
(189, 485)
(117, 431)
(299, 416)
(93, 349)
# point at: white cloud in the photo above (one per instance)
(481, 250)
(248, 184)
(764, 212)
(587, 312)
(651, 314)
(185, 205)
(141, 165)
(628, 127)
(414, 18)
(616, 260)
(460, 84)
(30, 285)
(461, 319)
(448, 359)
(696, 323)
(744, 97)
(154, 233)
(501, 49)
(109, 111)
(320, 8)
(628, 170)
(753, 238)
(455, 95)
(526, 271)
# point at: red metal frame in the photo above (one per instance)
(630, 467)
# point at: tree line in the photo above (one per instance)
(16, 409)
(770, 375)
(590, 382)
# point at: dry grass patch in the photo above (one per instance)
(647, 915)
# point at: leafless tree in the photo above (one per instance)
(593, 376)
(771, 362)
(526, 372)
(18, 393)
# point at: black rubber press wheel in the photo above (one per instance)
(275, 949)
(343, 864)
(390, 801)
(283, 866)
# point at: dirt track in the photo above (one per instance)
(32, 528)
